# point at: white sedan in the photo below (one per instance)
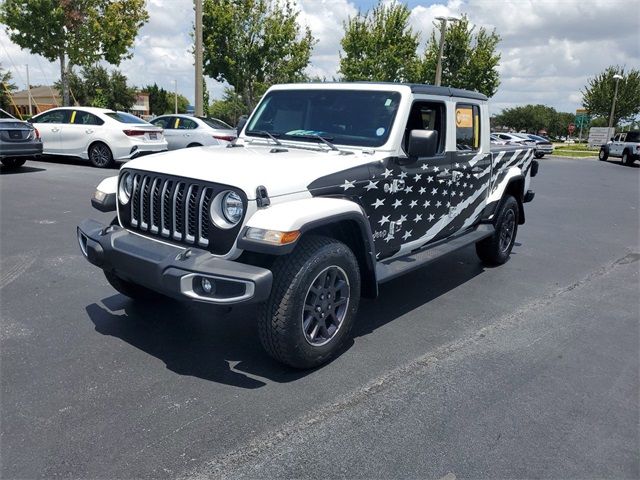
(183, 131)
(99, 135)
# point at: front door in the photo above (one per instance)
(78, 133)
(49, 124)
(406, 203)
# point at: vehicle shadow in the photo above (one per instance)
(24, 169)
(59, 159)
(202, 341)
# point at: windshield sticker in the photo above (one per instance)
(305, 132)
(388, 102)
(380, 132)
(464, 117)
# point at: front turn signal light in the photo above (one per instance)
(274, 237)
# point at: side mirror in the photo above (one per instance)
(242, 121)
(422, 143)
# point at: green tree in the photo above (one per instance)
(97, 87)
(74, 32)
(252, 44)
(380, 45)
(159, 103)
(6, 87)
(597, 95)
(230, 108)
(470, 60)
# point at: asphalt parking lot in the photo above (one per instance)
(526, 370)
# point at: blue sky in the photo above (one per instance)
(549, 48)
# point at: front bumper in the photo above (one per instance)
(174, 271)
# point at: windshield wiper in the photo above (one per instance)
(268, 134)
(318, 137)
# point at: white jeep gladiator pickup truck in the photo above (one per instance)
(625, 145)
(329, 191)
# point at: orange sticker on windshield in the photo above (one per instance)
(464, 117)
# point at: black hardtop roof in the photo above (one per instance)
(426, 89)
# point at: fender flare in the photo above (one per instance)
(490, 209)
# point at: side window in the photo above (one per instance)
(467, 127)
(57, 116)
(187, 124)
(163, 122)
(79, 117)
(427, 116)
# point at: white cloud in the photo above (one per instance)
(549, 48)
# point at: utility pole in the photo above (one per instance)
(175, 95)
(443, 30)
(29, 91)
(617, 77)
(198, 48)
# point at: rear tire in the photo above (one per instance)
(191, 145)
(539, 155)
(626, 158)
(313, 303)
(495, 250)
(13, 162)
(603, 155)
(100, 155)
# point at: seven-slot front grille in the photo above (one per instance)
(173, 208)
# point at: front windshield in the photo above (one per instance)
(343, 117)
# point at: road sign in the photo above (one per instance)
(582, 118)
(572, 128)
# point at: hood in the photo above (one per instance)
(281, 172)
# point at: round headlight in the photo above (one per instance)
(232, 207)
(126, 186)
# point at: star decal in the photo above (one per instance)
(448, 204)
(384, 220)
(422, 190)
(407, 234)
(372, 185)
(457, 165)
(429, 179)
(387, 173)
(403, 218)
(431, 217)
(418, 218)
(445, 192)
(402, 175)
(434, 191)
(413, 203)
(389, 238)
(397, 203)
(438, 203)
(347, 185)
(378, 203)
(436, 169)
(417, 177)
(424, 166)
(408, 189)
(426, 204)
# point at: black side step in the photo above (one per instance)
(386, 271)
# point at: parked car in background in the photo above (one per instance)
(99, 135)
(514, 139)
(19, 141)
(625, 145)
(542, 145)
(184, 131)
(496, 141)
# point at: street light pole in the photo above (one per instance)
(175, 95)
(198, 62)
(617, 78)
(443, 30)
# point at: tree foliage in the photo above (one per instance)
(469, 61)
(533, 118)
(74, 32)
(230, 108)
(96, 87)
(380, 45)
(6, 87)
(597, 95)
(252, 44)
(159, 103)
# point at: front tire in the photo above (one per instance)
(313, 303)
(100, 155)
(495, 250)
(13, 162)
(603, 155)
(539, 155)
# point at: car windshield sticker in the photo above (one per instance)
(73, 116)
(175, 125)
(380, 131)
(464, 117)
(388, 102)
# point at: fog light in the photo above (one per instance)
(207, 285)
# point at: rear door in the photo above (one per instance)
(171, 133)
(470, 168)
(187, 132)
(49, 124)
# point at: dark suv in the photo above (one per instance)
(18, 141)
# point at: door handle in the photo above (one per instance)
(89, 130)
(55, 129)
(187, 134)
(477, 170)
